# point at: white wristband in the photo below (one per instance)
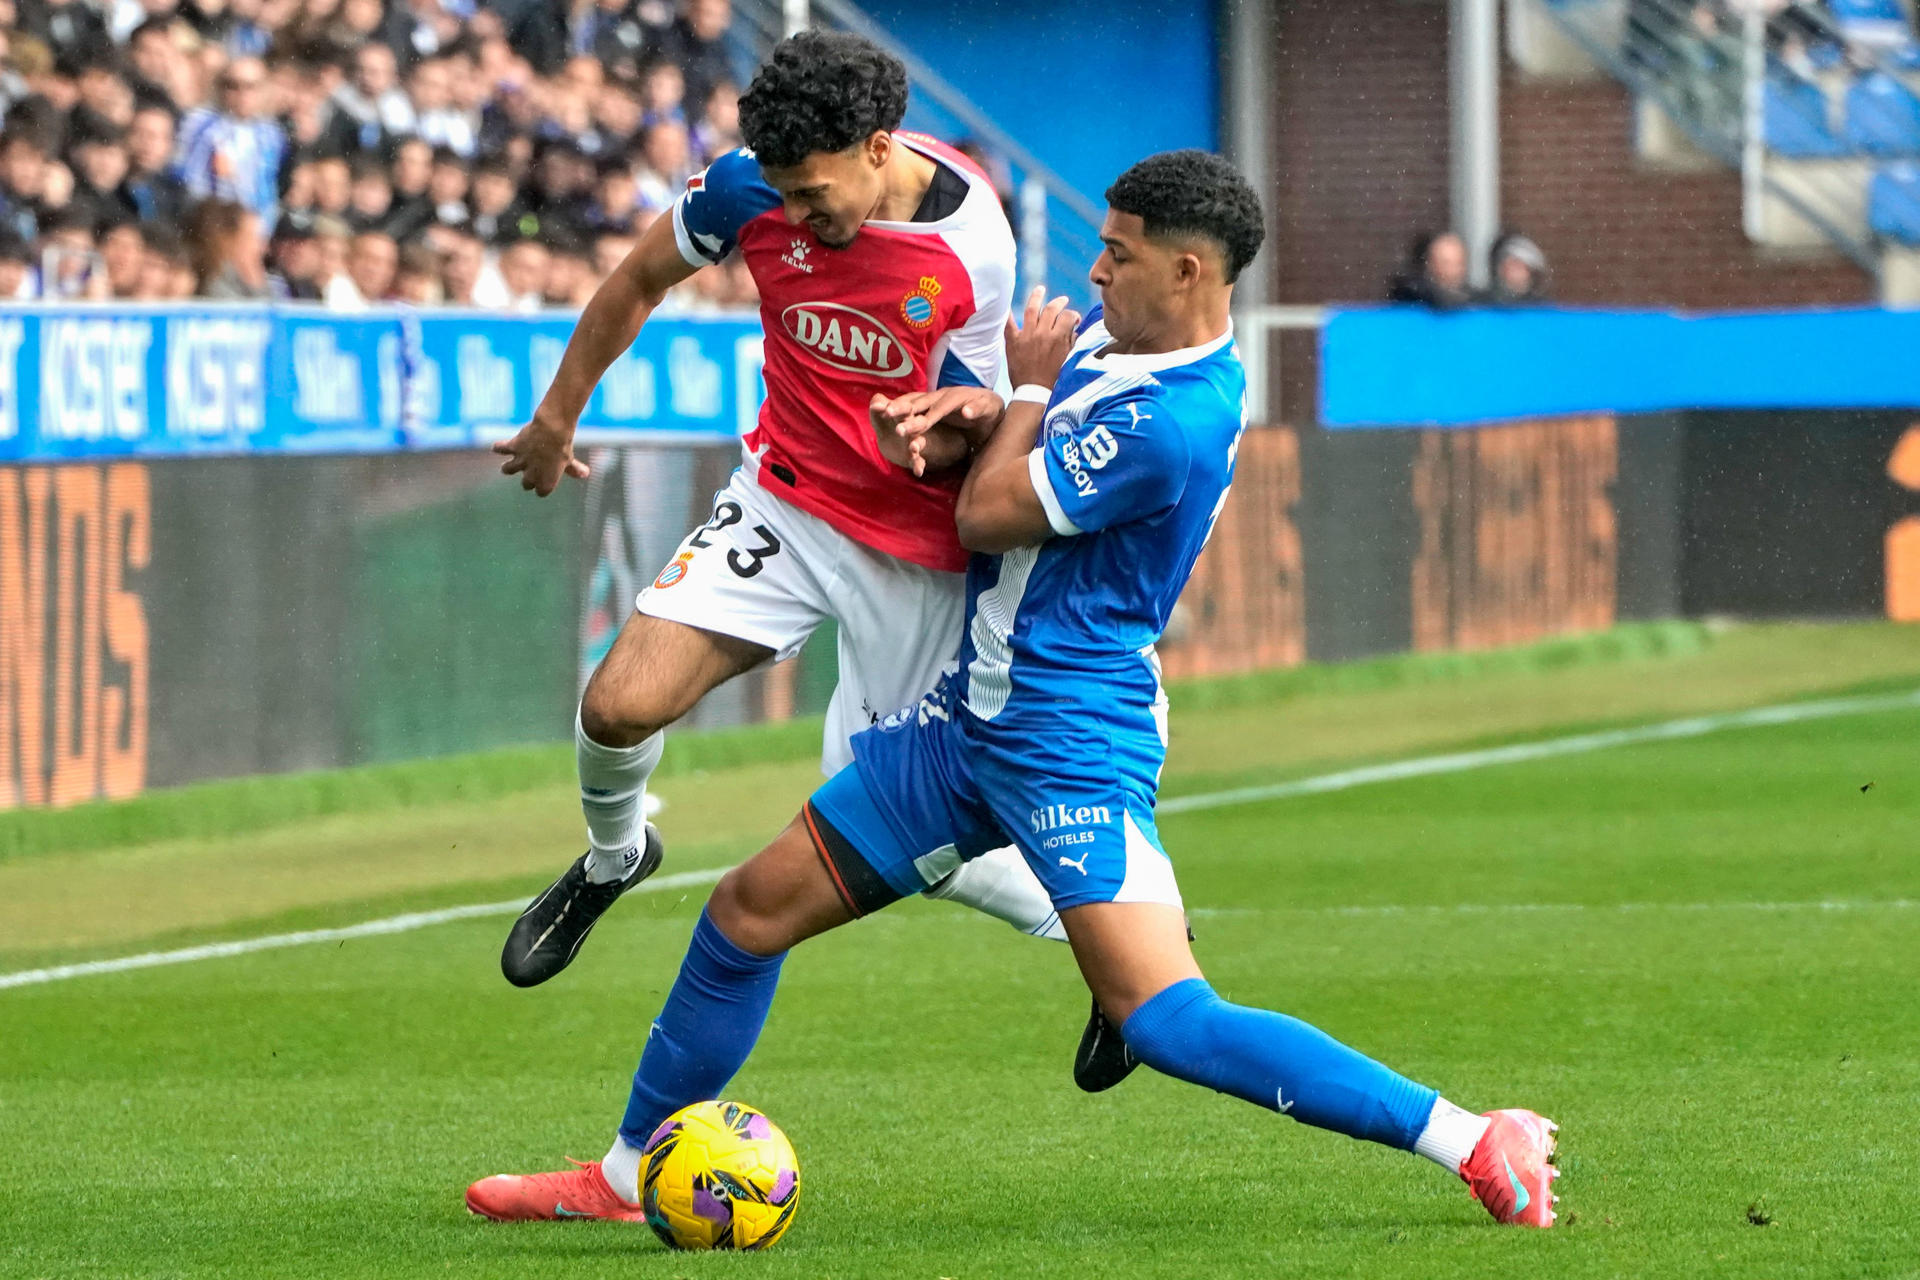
(1030, 393)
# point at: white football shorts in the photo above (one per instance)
(765, 571)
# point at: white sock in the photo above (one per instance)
(613, 788)
(621, 1167)
(1001, 884)
(1450, 1136)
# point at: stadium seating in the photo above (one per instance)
(1794, 119)
(1893, 203)
(1882, 116)
(1879, 23)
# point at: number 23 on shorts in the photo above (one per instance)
(745, 561)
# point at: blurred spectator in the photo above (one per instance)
(332, 186)
(371, 104)
(294, 256)
(663, 91)
(447, 188)
(72, 29)
(234, 153)
(562, 187)
(417, 280)
(495, 200)
(372, 195)
(1435, 273)
(719, 129)
(570, 280)
(437, 119)
(156, 194)
(168, 274)
(373, 264)
(616, 198)
(412, 174)
(523, 269)
(229, 259)
(1517, 271)
(664, 163)
(70, 267)
(23, 184)
(463, 270)
(609, 251)
(616, 115)
(105, 97)
(333, 245)
(98, 159)
(17, 280)
(158, 68)
(697, 43)
(123, 252)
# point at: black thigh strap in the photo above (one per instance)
(860, 886)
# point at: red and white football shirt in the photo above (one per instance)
(907, 306)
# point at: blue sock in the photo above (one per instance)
(704, 1033)
(1276, 1062)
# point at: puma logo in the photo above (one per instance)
(1080, 866)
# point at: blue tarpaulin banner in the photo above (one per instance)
(1408, 366)
(93, 381)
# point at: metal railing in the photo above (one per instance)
(1256, 333)
(1757, 92)
(1056, 225)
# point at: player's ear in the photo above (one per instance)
(878, 147)
(1188, 269)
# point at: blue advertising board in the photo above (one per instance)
(94, 381)
(1409, 366)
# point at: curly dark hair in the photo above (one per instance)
(1194, 193)
(821, 91)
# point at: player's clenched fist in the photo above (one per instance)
(540, 453)
(1038, 346)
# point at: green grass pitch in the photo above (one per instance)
(1699, 956)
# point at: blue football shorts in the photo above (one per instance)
(926, 792)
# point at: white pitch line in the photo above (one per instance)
(1420, 767)
(273, 942)
(1524, 752)
(1824, 905)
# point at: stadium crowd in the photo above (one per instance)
(355, 151)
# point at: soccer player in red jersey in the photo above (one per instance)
(885, 268)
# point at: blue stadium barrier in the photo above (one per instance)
(141, 381)
(1408, 366)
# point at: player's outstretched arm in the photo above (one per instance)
(999, 508)
(542, 451)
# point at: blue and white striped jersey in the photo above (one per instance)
(1133, 463)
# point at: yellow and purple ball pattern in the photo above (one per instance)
(719, 1175)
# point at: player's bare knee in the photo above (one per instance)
(745, 913)
(617, 717)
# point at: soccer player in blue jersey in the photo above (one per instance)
(1085, 505)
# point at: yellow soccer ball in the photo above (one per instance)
(719, 1175)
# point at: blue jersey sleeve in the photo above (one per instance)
(717, 202)
(1128, 461)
